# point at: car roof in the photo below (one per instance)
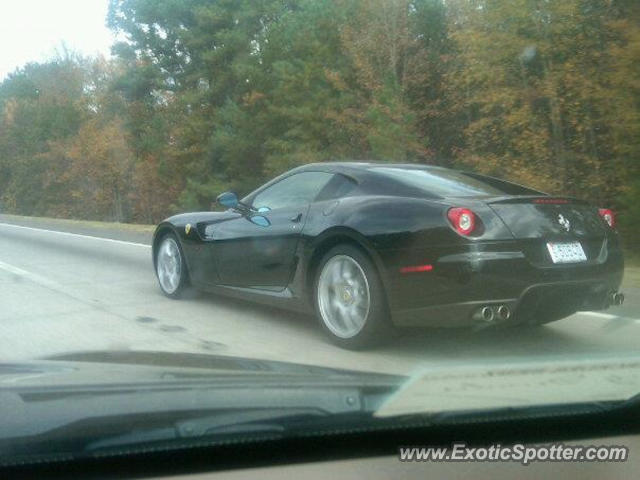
(370, 171)
(355, 168)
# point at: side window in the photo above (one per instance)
(339, 186)
(298, 189)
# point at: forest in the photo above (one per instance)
(203, 96)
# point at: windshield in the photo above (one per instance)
(312, 207)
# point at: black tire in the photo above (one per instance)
(377, 326)
(183, 282)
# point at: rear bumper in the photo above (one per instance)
(537, 302)
(491, 275)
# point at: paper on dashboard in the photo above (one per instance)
(468, 388)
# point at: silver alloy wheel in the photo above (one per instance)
(169, 265)
(343, 296)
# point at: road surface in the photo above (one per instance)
(86, 289)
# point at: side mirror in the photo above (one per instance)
(228, 199)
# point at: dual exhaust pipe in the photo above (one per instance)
(490, 314)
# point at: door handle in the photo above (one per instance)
(297, 218)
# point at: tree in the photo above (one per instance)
(39, 103)
(204, 96)
(538, 109)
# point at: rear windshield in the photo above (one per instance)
(450, 183)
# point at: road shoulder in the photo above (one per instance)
(116, 231)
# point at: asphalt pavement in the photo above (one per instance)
(71, 287)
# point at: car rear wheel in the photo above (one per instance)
(170, 267)
(349, 298)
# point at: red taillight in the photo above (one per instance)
(608, 216)
(462, 219)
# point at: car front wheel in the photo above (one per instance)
(350, 300)
(170, 267)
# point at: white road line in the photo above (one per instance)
(34, 277)
(608, 316)
(121, 242)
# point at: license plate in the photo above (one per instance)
(571, 252)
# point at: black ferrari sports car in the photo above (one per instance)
(370, 246)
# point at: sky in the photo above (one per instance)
(32, 30)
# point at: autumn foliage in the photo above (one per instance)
(203, 96)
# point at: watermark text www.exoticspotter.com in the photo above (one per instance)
(524, 454)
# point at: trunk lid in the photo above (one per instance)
(537, 220)
(546, 217)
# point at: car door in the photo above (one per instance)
(257, 249)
